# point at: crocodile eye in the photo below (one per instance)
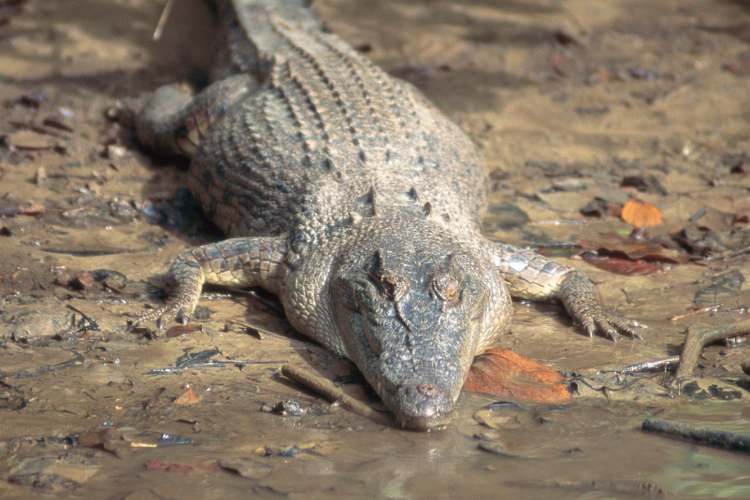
(392, 286)
(447, 286)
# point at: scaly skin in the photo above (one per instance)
(350, 196)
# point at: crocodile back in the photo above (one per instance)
(329, 136)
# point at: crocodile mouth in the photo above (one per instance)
(424, 407)
(418, 405)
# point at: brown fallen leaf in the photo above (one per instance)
(620, 264)
(187, 398)
(634, 250)
(153, 401)
(178, 330)
(502, 372)
(599, 207)
(109, 439)
(641, 213)
(96, 438)
(75, 280)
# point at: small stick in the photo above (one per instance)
(728, 255)
(695, 341)
(163, 20)
(646, 489)
(326, 388)
(651, 365)
(699, 435)
(699, 310)
(668, 95)
(93, 324)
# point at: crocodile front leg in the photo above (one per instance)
(529, 275)
(238, 262)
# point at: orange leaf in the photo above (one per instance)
(641, 214)
(178, 330)
(187, 398)
(501, 372)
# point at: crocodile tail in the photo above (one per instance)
(246, 38)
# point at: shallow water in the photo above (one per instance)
(565, 99)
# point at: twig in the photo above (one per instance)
(630, 488)
(728, 255)
(654, 365)
(35, 128)
(163, 19)
(687, 432)
(696, 340)
(94, 325)
(212, 363)
(699, 310)
(664, 97)
(326, 388)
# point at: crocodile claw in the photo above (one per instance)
(612, 327)
(164, 315)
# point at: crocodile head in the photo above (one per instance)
(413, 306)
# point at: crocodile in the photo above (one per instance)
(344, 191)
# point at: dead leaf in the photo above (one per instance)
(178, 330)
(101, 437)
(501, 372)
(641, 213)
(154, 399)
(599, 207)
(75, 280)
(634, 250)
(187, 398)
(621, 264)
(109, 439)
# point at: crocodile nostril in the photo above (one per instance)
(423, 405)
(428, 390)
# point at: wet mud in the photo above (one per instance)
(578, 107)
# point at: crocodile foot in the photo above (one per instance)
(596, 321)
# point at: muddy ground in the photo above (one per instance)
(570, 101)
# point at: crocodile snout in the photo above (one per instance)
(424, 406)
